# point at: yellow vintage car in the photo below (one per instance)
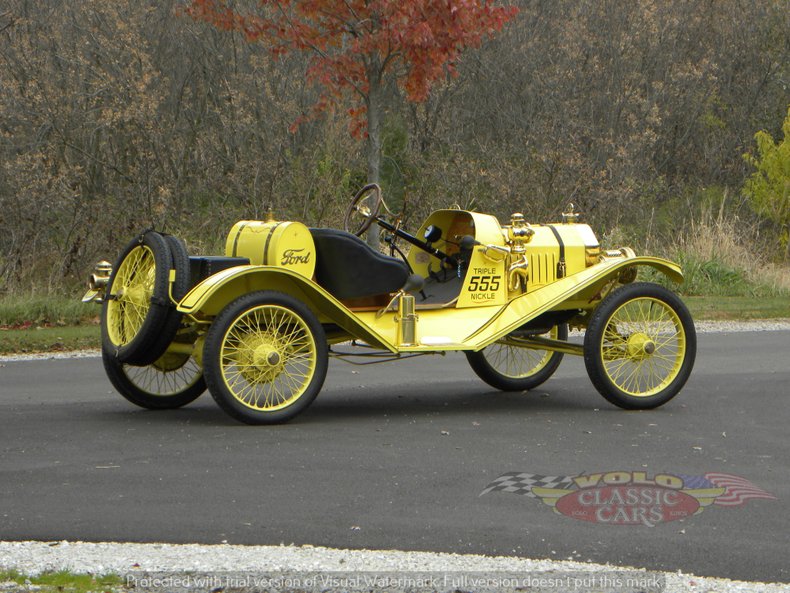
(258, 324)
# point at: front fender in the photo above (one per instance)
(212, 295)
(528, 306)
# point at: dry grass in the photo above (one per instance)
(722, 254)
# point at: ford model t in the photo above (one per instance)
(258, 324)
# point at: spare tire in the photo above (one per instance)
(137, 306)
(179, 261)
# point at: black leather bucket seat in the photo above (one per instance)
(348, 268)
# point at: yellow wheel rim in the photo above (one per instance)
(133, 286)
(515, 361)
(268, 357)
(165, 377)
(643, 347)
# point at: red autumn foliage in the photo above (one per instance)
(356, 44)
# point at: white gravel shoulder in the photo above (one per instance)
(94, 353)
(753, 325)
(128, 560)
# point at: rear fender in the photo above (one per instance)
(212, 295)
(576, 289)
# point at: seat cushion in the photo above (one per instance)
(203, 266)
(348, 268)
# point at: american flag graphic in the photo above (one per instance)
(522, 483)
(737, 490)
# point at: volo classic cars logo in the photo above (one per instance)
(630, 498)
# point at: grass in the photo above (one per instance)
(31, 323)
(737, 308)
(29, 309)
(721, 256)
(62, 582)
(49, 339)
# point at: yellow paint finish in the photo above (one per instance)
(477, 327)
(543, 252)
(485, 283)
(438, 330)
(286, 244)
(528, 306)
(209, 297)
(454, 224)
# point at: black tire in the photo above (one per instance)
(533, 371)
(137, 302)
(179, 261)
(171, 382)
(265, 358)
(640, 346)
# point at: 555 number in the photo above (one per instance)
(483, 283)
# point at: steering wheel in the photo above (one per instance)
(366, 204)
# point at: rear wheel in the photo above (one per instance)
(265, 358)
(172, 381)
(510, 366)
(640, 346)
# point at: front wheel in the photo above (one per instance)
(265, 358)
(510, 366)
(640, 346)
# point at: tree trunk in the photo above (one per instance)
(374, 113)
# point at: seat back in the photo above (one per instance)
(348, 268)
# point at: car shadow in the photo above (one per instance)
(452, 399)
(447, 399)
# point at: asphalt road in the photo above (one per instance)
(396, 456)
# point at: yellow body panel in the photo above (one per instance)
(454, 223)
(483, 284)
(437, 330)
(560, 294)
(209, 297)
(543, 252)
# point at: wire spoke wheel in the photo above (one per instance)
(133, 288)
(174, 380)
(516, 361)
(643, 346)
(266, 358)
(138, 318)
(512, 365)
(640, 346)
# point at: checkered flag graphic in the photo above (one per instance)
(521, 483)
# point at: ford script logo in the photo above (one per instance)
(295, 256)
